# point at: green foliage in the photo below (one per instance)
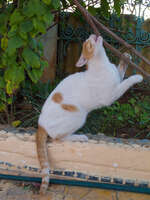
(133, 114)
(102, 9)
(21, 55)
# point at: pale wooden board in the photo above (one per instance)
(92, 158)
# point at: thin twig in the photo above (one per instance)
(90, 20)
(51, 26)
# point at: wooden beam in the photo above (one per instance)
(95, 158)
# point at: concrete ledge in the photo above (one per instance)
(99, 158)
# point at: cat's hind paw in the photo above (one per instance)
(76, 138)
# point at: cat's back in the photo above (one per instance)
(71, 81)
(69, 91)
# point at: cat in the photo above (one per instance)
(67, 107)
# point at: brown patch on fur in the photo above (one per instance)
(57, 97)
(69, 107)
(88, 50)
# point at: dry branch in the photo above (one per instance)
(90, 20)
(120, 40)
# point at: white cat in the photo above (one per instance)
(66, 108)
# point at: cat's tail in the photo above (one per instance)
(42, 152)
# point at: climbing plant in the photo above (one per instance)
(21, 55)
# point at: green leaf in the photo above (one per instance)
(4, 43)
(56, 3)
(3, 22)
(3, 17)
(40, 45)
(39, 25)
(44, 63)
(14, 75)
(31, 58)
(3, 29)
(26, 26)
(2, 106)
(34, 74)
(23, 35)
(4, 60)
(9, 100)
(34, 33)
(105, 8)
(29, 9)
(33, 43)
(9, 88)
(92, 10)
(117, 6)
(3, 95)
(14, 43)
(47, 2)
(35, 7)
(137, 109)
(2, 82)
(16, 123)
(48, 18)
(16, 17)
(120, 118)
(12, 32)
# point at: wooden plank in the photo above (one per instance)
(18, 156)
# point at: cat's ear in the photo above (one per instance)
(82, 61)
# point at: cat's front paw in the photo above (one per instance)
(127, 55)
(100, 40)
(138, 78)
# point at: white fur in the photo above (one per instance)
(45, 170)
(74, 138)
(98, 86)
(45, 179)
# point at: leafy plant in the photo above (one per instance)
(21, 52)
(134, 115)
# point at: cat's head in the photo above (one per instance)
(90, 49)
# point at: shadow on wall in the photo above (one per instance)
(49, 41)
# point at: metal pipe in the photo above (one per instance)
(90, 184)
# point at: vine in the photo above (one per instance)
(21, 52)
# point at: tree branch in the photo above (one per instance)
(120, 40)
(90, 20)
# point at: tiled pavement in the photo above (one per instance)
(78, 193)
(11, 191)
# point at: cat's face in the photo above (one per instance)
(91, 48)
